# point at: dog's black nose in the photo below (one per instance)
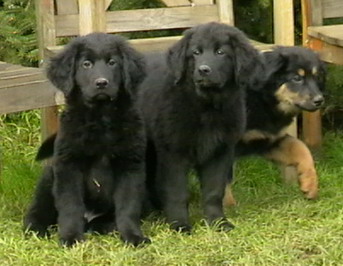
(318, 100)
(204, 70)
(101, 83)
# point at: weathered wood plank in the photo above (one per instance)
(66, 7)
(332, 8)
(107, 4)
(225, 11)
(91, 16)
(283, 22)
(46, 30)
(143, 19)
(28, 96)
(158, 44)
(171, 3)
(315, 12)
(332, 34)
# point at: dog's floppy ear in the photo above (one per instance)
(133, 67)
(274, 61)
(61, 69)
(177, 56)
(248, 61)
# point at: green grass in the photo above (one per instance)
(274, 224)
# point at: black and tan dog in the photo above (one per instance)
(295, 80)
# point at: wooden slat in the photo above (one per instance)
(312, 129)
(144, 19)
(332, 34)
(283, 22)
(328, 52)
(315, 12)
(158, 44)
(225, 11)
(176, 2)
(45, 24)
(65, 7)
(107, 4)
(28, 96)
(92, 16)
(332, 8)
(46, 29)
(171, 3)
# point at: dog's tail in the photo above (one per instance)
(46, 150)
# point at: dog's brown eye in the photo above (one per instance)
(220, 52)
(196, 52)
(87, 64)
(297, 78)
(112, 62)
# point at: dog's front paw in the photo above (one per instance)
(181, 227)
(222, 224)
(309, 186)
(71, 239)
(31, 226)
(135, 239)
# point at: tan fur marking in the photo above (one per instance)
(287, 98)
(314, 71)
(301, 72)
(228, 199)
(293, 152)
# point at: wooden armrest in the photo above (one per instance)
(332, 34)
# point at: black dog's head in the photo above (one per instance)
(213, 55)
(298, 75)
(95, 68)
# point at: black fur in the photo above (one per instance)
(98, 155)
(193, 106)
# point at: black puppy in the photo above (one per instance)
(295, 83)
(193, 106)
(97, 176)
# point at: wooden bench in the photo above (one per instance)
(27, 88)
(328, 41)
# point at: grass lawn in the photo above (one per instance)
(274, 224)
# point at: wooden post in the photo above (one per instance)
(225, 11)
(92, 16)
(312, 122)
(46, 35)
(284, 35)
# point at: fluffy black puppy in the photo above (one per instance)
(97, 176)
(295, 81)
(193, 105)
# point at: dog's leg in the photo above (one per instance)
(172, 189)
(128, 200)
(229, 199)
(42, 213)
(293, 152)
(213, 177)
(68, 193)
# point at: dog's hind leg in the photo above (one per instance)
(293, 152)
(229, 199)
(42, 212)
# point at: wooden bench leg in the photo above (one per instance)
(49, 121)
(312, 129)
